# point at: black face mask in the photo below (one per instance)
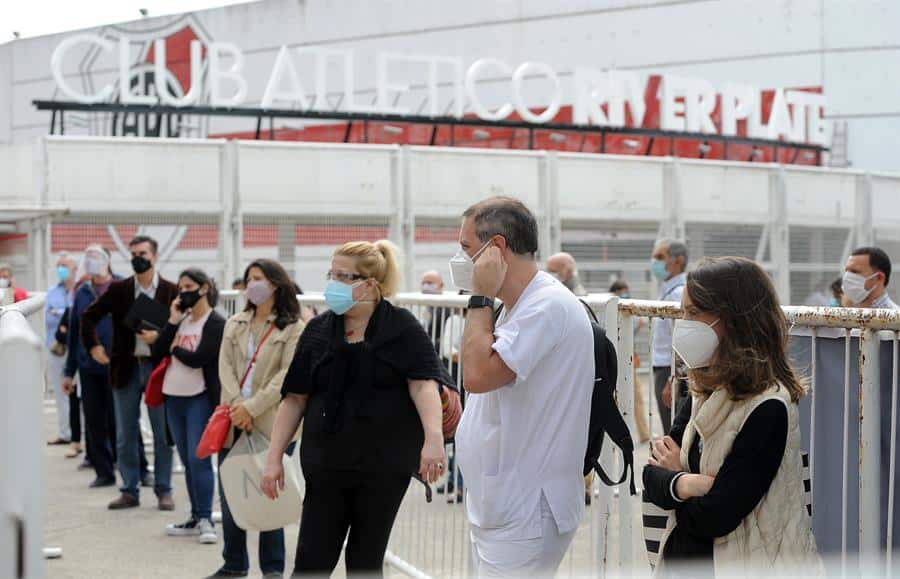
(188, 300)
(140, 264)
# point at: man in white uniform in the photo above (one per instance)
(523, 435)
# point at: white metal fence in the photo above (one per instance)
(21, 500)
(859, 442)
(854, 494)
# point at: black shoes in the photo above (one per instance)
(102, 482)
(226, 573)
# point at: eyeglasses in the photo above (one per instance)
(343, 276)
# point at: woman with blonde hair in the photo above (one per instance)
(366, 378)
(731, 468)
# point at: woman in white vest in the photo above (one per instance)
(731, 468)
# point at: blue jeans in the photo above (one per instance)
(271, 543)
(127, 402)
(187, 417)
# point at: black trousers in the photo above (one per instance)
(75, 416)
(99, 423)
(363, 503)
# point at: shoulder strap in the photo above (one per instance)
(256, 354)
(590, 311)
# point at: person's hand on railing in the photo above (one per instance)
(666, 453)
(98, 353)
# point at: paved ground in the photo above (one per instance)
(132, 544)
(129, 544)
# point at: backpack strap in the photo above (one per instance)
(590, 311)
(615, 426)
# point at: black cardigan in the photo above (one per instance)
(742, 481)
(360, 416)
(206, 356)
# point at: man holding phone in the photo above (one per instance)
(129, 369)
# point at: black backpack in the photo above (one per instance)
(605, 416)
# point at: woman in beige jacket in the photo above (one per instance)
(257, 349)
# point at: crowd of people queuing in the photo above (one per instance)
(360, 385)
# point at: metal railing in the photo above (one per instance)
(432, 539)
(21, 500)
(864, 336)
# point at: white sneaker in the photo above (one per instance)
(186, 529)
(207, 532)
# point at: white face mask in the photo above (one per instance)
(462, 267)
(95, 265)
(4, 282)
(695, 342)
(854, 286)
(430, 288)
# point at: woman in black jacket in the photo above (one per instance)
(191, 387)
(365, 375)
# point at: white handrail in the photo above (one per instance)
(22, 505)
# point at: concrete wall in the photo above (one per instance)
(223, 203)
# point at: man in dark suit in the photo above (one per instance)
(129, 369)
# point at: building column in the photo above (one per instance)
(779, 234)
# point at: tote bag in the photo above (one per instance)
(241, 474)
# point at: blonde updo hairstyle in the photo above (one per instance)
(377, 261)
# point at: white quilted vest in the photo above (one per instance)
(775, 539)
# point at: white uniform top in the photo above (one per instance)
(529, 437)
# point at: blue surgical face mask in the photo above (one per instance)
(63, 273)
(339, 297)
(658, 267)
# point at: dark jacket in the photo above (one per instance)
(117, 301)
(360, 415)
(206, 356)
(78, 357)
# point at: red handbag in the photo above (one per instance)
(153, 395)
(215, 433)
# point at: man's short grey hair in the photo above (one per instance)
(509, 218)
(97, 248)
(5, 266)
(676, 247)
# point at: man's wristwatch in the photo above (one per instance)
(480, 302)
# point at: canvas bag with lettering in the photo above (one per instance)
(241, 474)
